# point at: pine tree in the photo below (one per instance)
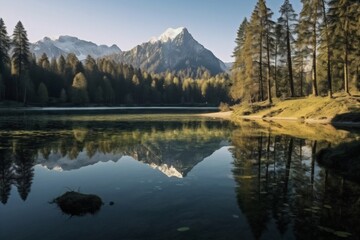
(343, 22)
(326, 40)
(238, 71)
(262, 27)
(239, 41)
(269, 45)
(277, 50)
(4, 46)
(310, 17)
(288, 22)
(21, 55)
(257, 31)
(253, 54)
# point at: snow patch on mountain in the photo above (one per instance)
(169, 35)
(64, 45)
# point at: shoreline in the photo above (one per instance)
(221, 115)
(230, 116)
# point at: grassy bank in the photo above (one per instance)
(345, 109)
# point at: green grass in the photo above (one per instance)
(307, 109)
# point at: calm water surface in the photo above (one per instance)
(172, 177)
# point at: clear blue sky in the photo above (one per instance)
(130, 22)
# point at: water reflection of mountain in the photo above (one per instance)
(285, 194)
(173, 158)
(173, 148)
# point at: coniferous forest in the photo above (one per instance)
(68, 81)
(315, 52)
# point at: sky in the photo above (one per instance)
(127, 23)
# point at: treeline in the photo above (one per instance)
(68, 81)
(316, 52)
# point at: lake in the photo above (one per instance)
(173, 176)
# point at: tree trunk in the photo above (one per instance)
(275, 73)
(346, 60)
(289, 60)
(261, 69)
(314, 77)
(301, 79)
(314, 43)
(268, 69)
(329, 80)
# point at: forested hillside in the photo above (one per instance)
(68, 81)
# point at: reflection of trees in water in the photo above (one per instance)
(24, 172)
(278, 181)
(6, 175)
(16, 167)
(183, 144)
(123, 140)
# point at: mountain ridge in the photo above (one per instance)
(174, 50)
(66, 44)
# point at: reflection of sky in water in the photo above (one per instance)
(208, 179)
(146, 201)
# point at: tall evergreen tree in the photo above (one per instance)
(326, 39)
(277, 50)
(257, 32)
(239, 72)
(4, 46)
(288, 21)
(239, 41)
(21, 56)
(310, 16)
(261, 25)
(343, 23)
(260, 31)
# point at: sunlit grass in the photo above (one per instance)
(309, 108)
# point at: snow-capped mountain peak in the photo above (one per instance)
(169, 35)
(174, 50)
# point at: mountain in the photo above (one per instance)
(67, 44)
(174, 50)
